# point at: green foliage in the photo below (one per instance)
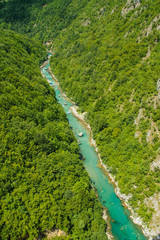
(43, 19)
(109, 65)
(41, 174)
(102, 64)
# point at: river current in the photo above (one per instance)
(122, 227)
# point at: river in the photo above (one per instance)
(122, 226)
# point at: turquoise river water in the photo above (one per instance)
(122, 226)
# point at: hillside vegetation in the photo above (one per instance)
(107, 60)
(41, 174)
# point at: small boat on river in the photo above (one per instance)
(119, 217)
(80, 134)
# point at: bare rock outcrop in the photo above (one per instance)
(130, 5)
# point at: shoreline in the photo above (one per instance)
(124, 198)
(107, 219)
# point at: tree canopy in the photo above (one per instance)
(43, 181)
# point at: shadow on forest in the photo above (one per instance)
(18, 10)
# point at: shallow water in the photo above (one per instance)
(122, 226)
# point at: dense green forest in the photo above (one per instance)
(107, 60)
(112, 60)
(41, 174)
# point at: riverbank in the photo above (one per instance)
(109, 228)
(124, 198)
(81, 117)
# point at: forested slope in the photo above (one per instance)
(107, 60)
(42, 180)
(41, 19)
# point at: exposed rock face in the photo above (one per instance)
(55, 233)
(148, 54)
(130, 5)
(155, 164)
(149, 29)
(138, 133)
(158, 85)
(86, 22)
(112, 11)
(154, 203)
